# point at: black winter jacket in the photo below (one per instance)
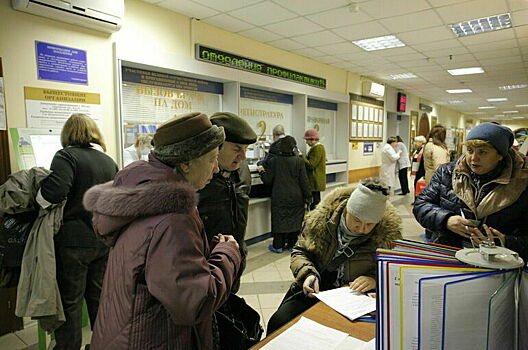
(224, 205)
(504, 206)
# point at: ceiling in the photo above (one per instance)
(324, 30)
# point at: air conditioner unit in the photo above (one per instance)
(373, 89)
(102, 15)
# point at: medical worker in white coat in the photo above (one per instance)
(389, 157)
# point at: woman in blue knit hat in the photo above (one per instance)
(481, 195)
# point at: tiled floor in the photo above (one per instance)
(265, 281)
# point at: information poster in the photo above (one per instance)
(322, 117)
(265, 109)
(49, 108)
(61, 63)
(368, 124)
(35, 147)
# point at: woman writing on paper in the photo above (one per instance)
(337, 245)
(482, 194)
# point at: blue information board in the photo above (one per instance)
(61, 63)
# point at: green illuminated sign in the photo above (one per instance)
(233, 61)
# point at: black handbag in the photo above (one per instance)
(14, 232)
(238, 324)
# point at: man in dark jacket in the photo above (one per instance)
(484, 193)
(224, 201)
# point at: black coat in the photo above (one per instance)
(286, 174)
(73, 171)
(224, 205)
(504, 203)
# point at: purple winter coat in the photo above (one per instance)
(162, 283)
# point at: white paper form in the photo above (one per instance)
(354, 112)
(353, 129)
(371, 114)
(351, 343)
(307, 334)
(466, 307)
(523, 311)
(409, 299)
(360, 112)
(347, 302)
(431, 305)
(502, 319)
(365, 130)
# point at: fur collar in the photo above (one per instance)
(147, 199)
(328, 212)
(511, 184)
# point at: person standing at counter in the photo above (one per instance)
(402, 164)
(278, 135)
(224, 202)
(315, 162)
(139, 150)
(290, 193)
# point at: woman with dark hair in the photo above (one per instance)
(80, 257)
(481, 195)
(290, 194)
(435, 151)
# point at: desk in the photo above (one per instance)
(326, 316)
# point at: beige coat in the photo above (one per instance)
(433, 157)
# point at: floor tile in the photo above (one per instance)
(270, 301)
(252, 300)
(28, 335)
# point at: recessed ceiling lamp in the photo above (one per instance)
(481, 25)
(510, 112)
(379, 43)
(521, 105)
(465, 71)
(519, 117)
(458, 91)
(487, 107)
(497, 99)
(511, 87)
(402, 76)
(454, 102)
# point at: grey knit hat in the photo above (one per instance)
(366, 204)
(186, 137)
(501, 137)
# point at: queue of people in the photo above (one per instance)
(158, 248)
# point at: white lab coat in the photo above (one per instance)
(130, 155)
(389, 156)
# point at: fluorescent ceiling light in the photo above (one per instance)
(511, 87)
(487, 107)
(464, 71)
(481, 25)
(454, 102)
(379, 43)
(479, 113)
(402, 76)
(521, 105)
(497, 99)
(458, 91)
(499, 115)
(510, 112)
(518, 117)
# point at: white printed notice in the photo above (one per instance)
(347, 302)
(49, 108)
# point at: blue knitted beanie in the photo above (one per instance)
(499, 136)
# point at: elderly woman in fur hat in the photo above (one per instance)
(163, 281)
(337, 245)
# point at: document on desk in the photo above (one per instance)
(307, 334)
(347, 302)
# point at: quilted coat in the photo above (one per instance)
(163, 282)
(504, 203)
(317, 243)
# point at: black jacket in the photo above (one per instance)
(290, 191)
(224, 204)
(502, 203)
(73, 171)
